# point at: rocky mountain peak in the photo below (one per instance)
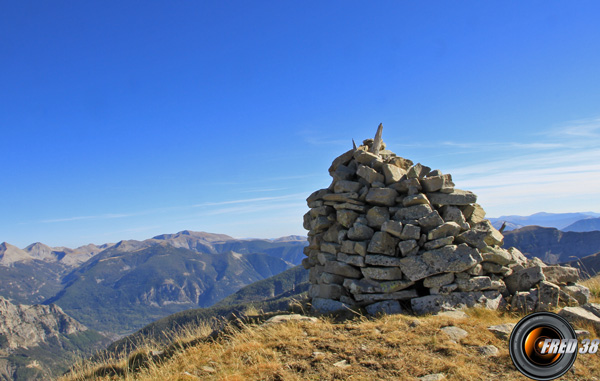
(10, 254)
(25, 326)
(42, 252)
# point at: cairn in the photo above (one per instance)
(389, 235)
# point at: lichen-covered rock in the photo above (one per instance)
(435, 303)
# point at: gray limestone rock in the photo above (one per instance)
(435, 183)
(494, 268)
(346, 186)
(416, 199)
(382, 243)
(342, 269)
(346, 217)
(354, 260)
(382, 196)
(348, 247)
(364, 157)
(408, 247)
(548, 294)
(593, 308)
(496, 255)
(433, 377)
(393, 228)
(488, 350)
(457, 197)
(502, 331)
(477, 283)
(413, 212)
(377, 215)
(446, 229)
(331, 248)
(361, 248)
(430, 221)
(381, 260)
(325, 306)
(436, 303)
(578, 292)
(317, 195)
(437, 243)
(525, 301)
(399, 295)
(360, 232)
(341, 160)
(346, 205)
(561, 274)
(579, 315)
(349, 197)
(388, 307)
(410, 232)
(474, 213)
(418, 171)
(517, 256)
(454, 214)
(369, 286)
(392, 173)
(326, 291)
(382, 273)
(327, 278)
(524, 280)
(343, 173)
(369, 174)
(438, 280)
(403, 186)
(323, 257)
(320, 224)
(449, 258)
(455, 333)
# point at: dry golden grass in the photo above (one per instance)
(389, 347)
(398, 347)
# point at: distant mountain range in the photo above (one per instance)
(561, 221)
(118, 288)
(586, 225)
(552, 245)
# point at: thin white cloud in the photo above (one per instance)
(259, 190)
(78, 218)
(250, 200)
(558, 172)
(584, 128)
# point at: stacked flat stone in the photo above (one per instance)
(388, 234)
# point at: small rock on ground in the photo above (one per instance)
(454, 314)
(295, 317)
(488, 350)
(502, 331)
(455, 333)
(342, 364)
(433, 377)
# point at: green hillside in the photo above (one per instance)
(292, 285)
(118, 292)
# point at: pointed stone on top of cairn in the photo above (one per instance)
(377, 141)
(389, 235)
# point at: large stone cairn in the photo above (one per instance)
(388, 235)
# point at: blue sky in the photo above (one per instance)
(123, 120)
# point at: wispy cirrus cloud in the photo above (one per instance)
(559, 171)
(79, 218)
